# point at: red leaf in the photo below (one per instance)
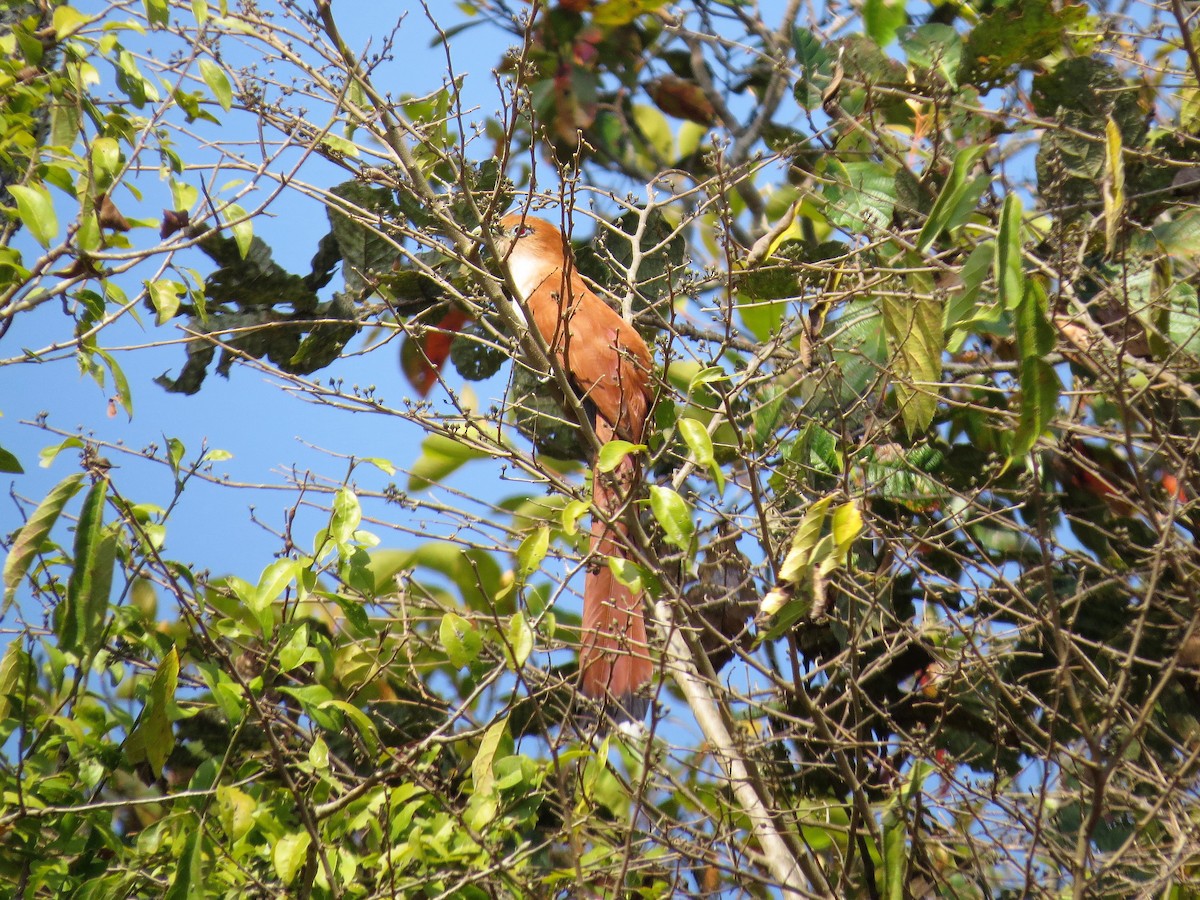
(422, 359)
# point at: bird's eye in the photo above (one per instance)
(521, 231)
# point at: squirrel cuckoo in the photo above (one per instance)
(609, 364)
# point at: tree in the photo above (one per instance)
(919, 525)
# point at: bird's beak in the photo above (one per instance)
(504, 243)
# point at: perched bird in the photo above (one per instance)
(609, 365)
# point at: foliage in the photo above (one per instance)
(920, 530)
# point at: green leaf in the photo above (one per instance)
(532, 551)
(847, 525)
(363, 249)
(347, 516)
(1113, 184)
(1035, 335)
(613, 453)
(1181, 235)
(188, 883)
(474, 572)
(273, 581)
(158, 13)
(15, 661)
(952, 194)
(861, 195)
(9, 463)
(762, 318)
(481, 766)
(33, 533)
(814, 68)
(460, 640)
(289, 855)
(964, 302)
(804, 541)
(235, 810)
(297, 649)
(383, 465)
(883, 18)
(1183, 324)
(67, 20)
(1008, 269)
(612, 13)
(200, 11)
(47, 455)
(628, 573)
(1019, 34)
(81, 616)
(175, 451)
(440, 457)
(1040, 385)
(153, 739)
(935, 47)
(657, 130)
(767, 410)
(520, 640)
(241, 226)
(914, 326)
(699, 442)
(35, 209)
(362, 722)
(572, 513)
(106, 161)
(895, 856)
(165, 297)
(214, 76)
(707, 375)
(672, 513)
(120, 382)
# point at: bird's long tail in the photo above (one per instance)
(614, 658)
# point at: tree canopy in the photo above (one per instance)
(918, 530)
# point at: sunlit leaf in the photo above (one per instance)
(460, 640)
(214, 76)
(36, 211)
(520, 640)
(1008, 266)
(1113, 184)
(613, 453)
(804, 541)
(289, 854)
(34, 532)
(188, 883)
(532, 551)
(81, 616)
(883, 18)
(672, 513)
(153, 739)
(241, 226)
(951, 196)
(914, 325)
(481, 766)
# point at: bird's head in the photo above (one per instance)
(532, 249)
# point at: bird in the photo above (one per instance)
(610, 366)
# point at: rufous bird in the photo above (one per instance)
(609, 365)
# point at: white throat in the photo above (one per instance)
(527, 272)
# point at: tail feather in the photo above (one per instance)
(615, 657)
